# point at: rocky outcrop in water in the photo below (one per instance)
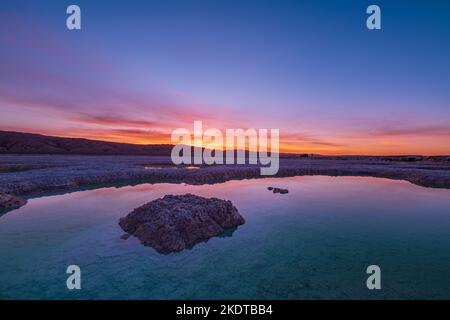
(174, 223)
(278, 190)
(8, 201)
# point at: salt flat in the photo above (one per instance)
(29, 176)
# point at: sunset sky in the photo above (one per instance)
(140, 69)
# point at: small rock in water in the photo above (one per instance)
(125, 236)
(174, 223)
(278, 190)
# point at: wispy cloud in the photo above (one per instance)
(415, 130)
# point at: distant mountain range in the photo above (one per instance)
(29, 143)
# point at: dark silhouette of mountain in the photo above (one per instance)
(29, 143)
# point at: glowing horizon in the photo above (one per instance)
(284, 147)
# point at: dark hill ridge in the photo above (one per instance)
(29, 143)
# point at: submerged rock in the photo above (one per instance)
(125, 236)
(9, 201)
(278, 190)
(174, 223)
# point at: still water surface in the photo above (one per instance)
(315, 242)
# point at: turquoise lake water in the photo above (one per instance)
(315, 242)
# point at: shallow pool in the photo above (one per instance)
(314, 242)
